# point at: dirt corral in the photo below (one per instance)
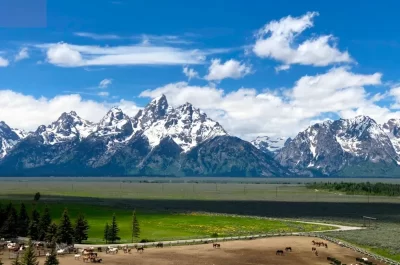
(259, 251)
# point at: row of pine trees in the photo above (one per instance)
(38, 227)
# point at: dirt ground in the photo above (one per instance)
(259, 251)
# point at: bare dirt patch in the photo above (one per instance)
(260, 251)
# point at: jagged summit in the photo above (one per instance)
(269, 144)
(333, 146)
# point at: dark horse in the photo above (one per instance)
(279, 252)
(288, 249)
(141, 249)
(215, 245)
(159, 245)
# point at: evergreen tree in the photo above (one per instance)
(51, 233)
(65, 233)
(16, 261)
(23, 222)
(30, 256)
(114, 230)
(9, 228)
(44, 224)
(33, 230)
(81, 229)
(3, 215)
(135, 226)
(36, 197)
(52, 259)
(106, 233)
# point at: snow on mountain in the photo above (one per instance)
(8, 138)
(271, 144)
(332, 145)
(22, 134)
(116, 125)
(69, 126)
(392, 129)
(186, 125)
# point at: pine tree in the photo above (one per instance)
(81, 229)
(106, 233)
(23, 222)
(33, 230)
(65, 233)
(3, 215)
(51, 233)
(30, 256)
(52, 259)
(135, 226)
(16, 261)
(44, 224)
(114, 230)
(9, 228)
(36, 197)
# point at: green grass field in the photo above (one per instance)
(163, 207)
(169, 226)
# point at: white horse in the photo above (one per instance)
(61, 251)
(112, 250)
(77, 256)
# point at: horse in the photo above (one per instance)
(313, 249)
(77, 256)
(160, 245)
(326, 245)
(215, 245)
(313, 242)
(112, 250)
(141, 249)
(279, 252)
(288, 249)
(316, 253)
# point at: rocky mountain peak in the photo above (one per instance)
(269, 144)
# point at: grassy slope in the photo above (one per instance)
(164, 225)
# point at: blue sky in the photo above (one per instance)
(145, 45)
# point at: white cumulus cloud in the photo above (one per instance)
(247, 112)
(28, 112)
(276, 40)
(4, 62)
(230, 69)
(190, 72)
(22, 54)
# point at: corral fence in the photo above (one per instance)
(250, 237)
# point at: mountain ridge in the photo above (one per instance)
(184, 141)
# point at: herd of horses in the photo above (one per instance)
(313, 249)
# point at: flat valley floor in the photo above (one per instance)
(252, 252)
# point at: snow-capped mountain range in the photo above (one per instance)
(162, 140)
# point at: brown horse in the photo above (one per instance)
(141, 249)
(313, 249)
(160, 245)
(288, 249)
(215, 245)
(279, 252)
(316, 253)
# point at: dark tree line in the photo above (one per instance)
(38, 227)
(384, 189)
